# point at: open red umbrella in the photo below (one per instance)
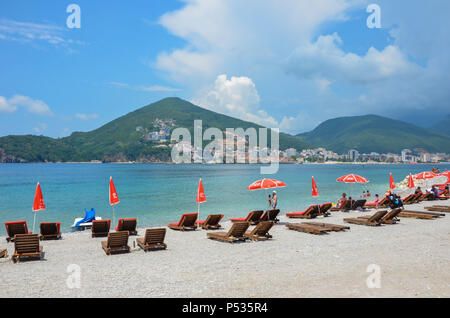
(446, 174)
(352, 178)
(426, 175)
(266, 184)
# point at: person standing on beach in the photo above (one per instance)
(377, 201)
(270, 201)
(368, 194)
(274, 200)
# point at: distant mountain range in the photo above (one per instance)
(126, 138)
(372, 133)
(120, 140)
(443, 126)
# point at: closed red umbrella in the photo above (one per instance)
(411, 182)
(315, 191)
(201, 197)
(391, 182)
(38, 203)
(113, 197)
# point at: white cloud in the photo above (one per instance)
(222, 34)
(269, 43)
(5, 106)
(33, 106)
(236, 97)
(146, 88)
(40, 128)
(323, 59)
(26, 32)
(86, 116)
(157, 88)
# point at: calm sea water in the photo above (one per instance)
(158, 194)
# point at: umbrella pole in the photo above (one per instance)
(114, 216)
(34, 221)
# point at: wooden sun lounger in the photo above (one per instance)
(3, 253)
(127, 225)
(438, 208)
(13, 228)
(332, 227)
(100, 228)
(419, 214)
(117, 243)
(186, 223)
(324, 208)
(50, 231)
(26, 247)
(307, 228)
(426, 197)
(374, 220)
(358, 204)
(309, 213)
(236, 233)
(390, 218)
(153, 240)
(382, 204)
(411, 199)
(345, 206)
(261, 231)
(211, 222)
(270, 215)
(253, 217)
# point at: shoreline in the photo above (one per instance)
(292, 264)
(212, 164)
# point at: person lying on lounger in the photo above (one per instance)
(342, 199)
(435, 191)
(418, 190)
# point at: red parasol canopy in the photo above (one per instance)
(352, 178)
(426, 175)
(266, 184)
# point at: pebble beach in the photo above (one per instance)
(413, 257)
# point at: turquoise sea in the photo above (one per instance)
(159, 193)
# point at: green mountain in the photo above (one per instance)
(123, 138)
(374, 133)
(443, 126)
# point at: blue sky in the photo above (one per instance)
(289, 66)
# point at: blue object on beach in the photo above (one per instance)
(88, 217)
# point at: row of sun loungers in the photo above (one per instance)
(27, 245)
